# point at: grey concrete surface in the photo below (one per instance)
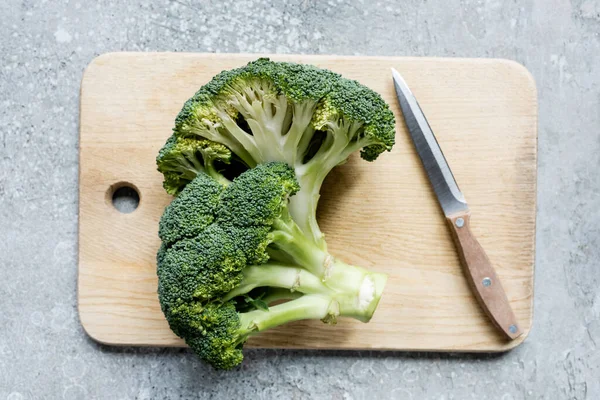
(44, 47)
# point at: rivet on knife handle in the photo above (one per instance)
(482, 278)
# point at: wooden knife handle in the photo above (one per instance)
(481, 276)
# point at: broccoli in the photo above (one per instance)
(230, 251)
(310, 118)
(181, 159)
(241, 248)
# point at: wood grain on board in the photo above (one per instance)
(381, 215)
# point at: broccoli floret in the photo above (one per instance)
(221, 339)
(219, 277)
(310, 118)
(202, 267)
(188, 214)
(267, 187)
(181, 159)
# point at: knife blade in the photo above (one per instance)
(478, 269)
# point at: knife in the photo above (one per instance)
(477, 267)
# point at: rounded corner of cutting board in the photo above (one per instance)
(97, 62)
(510, 346)
(519, 76)
(90, 329)
(517, 343)
(519, 70)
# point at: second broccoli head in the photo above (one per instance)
(230, 251)
(310, 118)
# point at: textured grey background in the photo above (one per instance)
(44, 47)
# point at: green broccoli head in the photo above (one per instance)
(228, 252)
(222, 244)
(226, 92)
(270, 96)
(310, 118)
(209, 235)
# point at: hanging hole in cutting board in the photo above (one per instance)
(124, 196)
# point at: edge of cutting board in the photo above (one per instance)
(517, 67)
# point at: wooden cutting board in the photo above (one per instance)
(380, 215)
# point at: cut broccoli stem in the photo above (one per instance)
(344, 277)
(347, 281)
(359, 303)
